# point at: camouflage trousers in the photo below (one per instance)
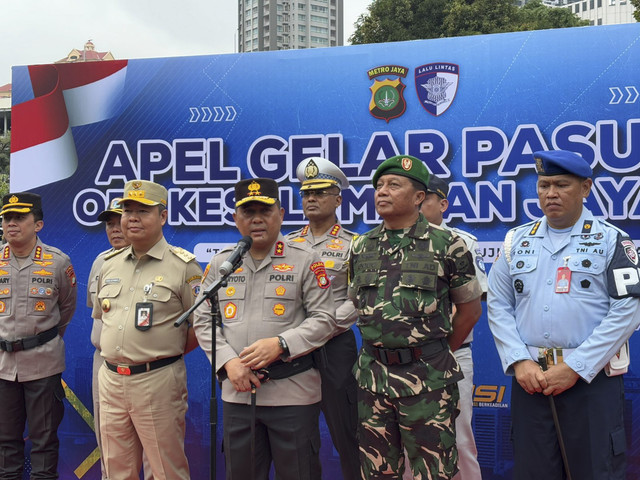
(424, 424)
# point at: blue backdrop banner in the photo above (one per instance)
(472, 108)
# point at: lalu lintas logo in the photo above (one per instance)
(436, 86)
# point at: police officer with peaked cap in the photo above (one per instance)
(405, 275)
(37, 301)
(141, 291)
(559, 299)
(322, 183)
(277, 308)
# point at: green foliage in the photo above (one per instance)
(536, 16)
(636, 12)
(395, 20)
(5, 149)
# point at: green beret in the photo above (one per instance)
(406, 166)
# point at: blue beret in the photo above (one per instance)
(561, 162)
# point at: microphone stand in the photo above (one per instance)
(211, 293)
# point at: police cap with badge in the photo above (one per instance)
(561, 162)
(263, 190)
(317, 173)
(405, 166)
(22, 202)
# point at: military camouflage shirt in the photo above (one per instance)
(404, 291)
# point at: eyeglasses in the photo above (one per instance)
(317, 193)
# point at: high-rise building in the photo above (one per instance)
(288, 24)
(603, 12)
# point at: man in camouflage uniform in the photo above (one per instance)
(405, 276)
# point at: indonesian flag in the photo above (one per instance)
(65, 95)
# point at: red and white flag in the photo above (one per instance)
(65, 96)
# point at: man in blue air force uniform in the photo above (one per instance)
(564, 293)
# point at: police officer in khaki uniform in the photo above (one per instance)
(322, 182)
(37, 300)
(141, 291)
(278, 307)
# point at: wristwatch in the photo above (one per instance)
(283, 346)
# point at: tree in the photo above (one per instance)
(536, 16)
(5, 149)
(395, 20)
(636, 12)
(479, 17)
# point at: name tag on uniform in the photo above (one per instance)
(144, 315)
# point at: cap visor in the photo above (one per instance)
(267, 200)
(15, 209)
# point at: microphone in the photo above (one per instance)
(243, 246)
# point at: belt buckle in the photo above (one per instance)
(123, 370)
(553, 355)
(15, 346)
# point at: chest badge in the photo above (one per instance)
(106, 305)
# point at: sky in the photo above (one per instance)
(44, 31)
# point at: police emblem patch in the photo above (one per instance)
(630, 251)
(230, 310)
(321, 274)
(518, 285)
(387, 99)
(278, 309)
(436, 86)
(40, 307)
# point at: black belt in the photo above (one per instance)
(279, 369)
(402, 356)
(143, 367)
(465, 345)
(28, 343)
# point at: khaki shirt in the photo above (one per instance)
(172, 277)
(35, 297)
(92, 288)
(287, 294)
(333, 248)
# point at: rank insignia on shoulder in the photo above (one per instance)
(182, 254)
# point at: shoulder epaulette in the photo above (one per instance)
(182, 254)
(114, 253)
